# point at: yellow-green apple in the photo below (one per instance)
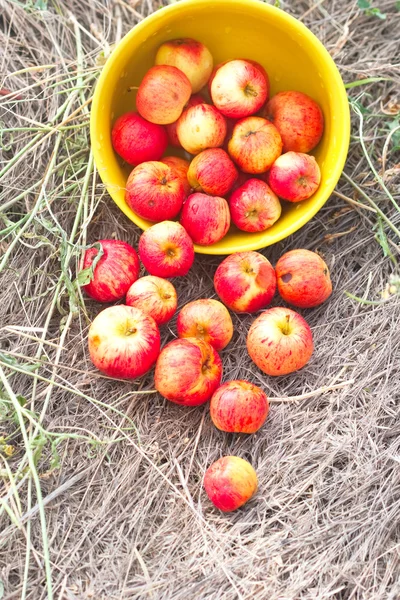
(253, 62)
(294, 176)
(191, 57)
(162, 95)
(230, 482)
(188, 371)
(181, 167)
(245, 281)
(137, 140)
(239, 407)
(280, 341)
(123, 342)
(239, 89)
(171, 128)
(303, 278)
(155, 191)
(166, 250)
(212, 172)
(113, 273)
(205, 218)
(298, 118)
(201, 127)
(254, 206)
(206, 319)
(255, 144)
(155, 296)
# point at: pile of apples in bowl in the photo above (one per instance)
(247, 152)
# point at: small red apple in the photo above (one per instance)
(191, 57)
(230, 482)
(155, 297)
(201, 127)
(294, 176)
(155, 191)
(212, 172)
(254, 206)
(137, 140)
(205, 218)
(239, 407)
(114, 273)
(166, 250)
(303, 278)
(188, 371)
(298, 118)
(123, 342)
(239, 89)
(280, 341)
(245, 281)
(162, 95)
(255, 144)
(194, 100)
(180, 166)
(208, 320)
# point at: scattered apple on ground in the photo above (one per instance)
(212, 172)
(245, 281)
(205, 218)
(155, 191)
(201, 127)
(294, 176)
(123, 342)
(239, 407)
(162, 95)
(255, 144)
(166, 250)
(303, 278)
(155, 296)
(137, 140)
(206, 319)
(298, 118)
(280, 341)
(191, 57)
(230, 482)
(114, 272)
(254, 206)
(188, 371)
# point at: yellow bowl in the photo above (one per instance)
(294, 59)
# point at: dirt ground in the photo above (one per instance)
(101, 491)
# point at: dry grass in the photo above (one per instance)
(102, 486)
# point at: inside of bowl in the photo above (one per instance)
(293, 58)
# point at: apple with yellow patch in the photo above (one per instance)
(230, 482)
(166, 250)
(212, 172)
(162, 94)
(191, 57)
(201, 127)
(206, 319)
(255, 144)
(239, 407)
(155, 296)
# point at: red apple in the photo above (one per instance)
(201, 127)
(255, 144)
(166, 250)
(298, 118)
(162, 95)
(155, 297)
(230, 482)
(171, 128)
(114, 273)
(190, 56)
(280, 341)
(188, 371)
(303, 278)
(254, 206)
(123, 342)
(212, 172)
(294, 176)
(137, 140)
(180, 166)
(239, 407)
(155, 191)
(205, 218)
(252, 62)
(239, 89)
(208, 320)
(245, 281)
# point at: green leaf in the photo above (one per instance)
(381, 238)
(41, 4)
(363, 4)
(86, 275)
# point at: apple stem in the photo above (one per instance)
(131, 330)
(286, 328)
